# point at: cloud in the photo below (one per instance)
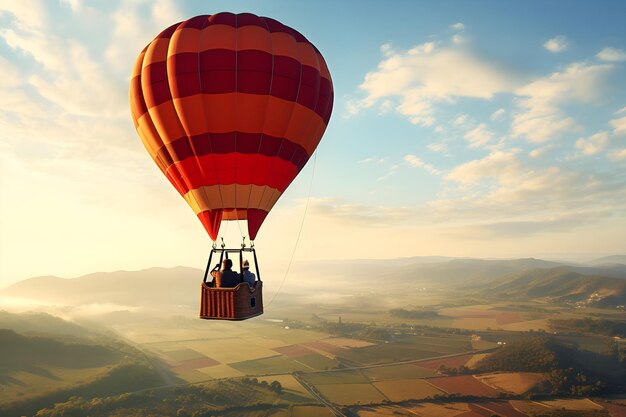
(498, 115)
(619, 126)
(460, 120)
(593, 144)
(426, 75)
(32, 15)
(69, 99)
(497, 165)
(373, 160)
(438, 147)
(618, 155)
(134, 24)
(539, 117)
(393, 170)
(11, 76)
(556, 44)
(539, 152)
(500, 190)
(523, 228)
(479, 136)
(458, 39)
(612, 55)
(458, 26)
(343, 212)
(416, 162)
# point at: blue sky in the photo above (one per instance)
(482, 128)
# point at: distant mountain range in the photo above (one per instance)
(602, 283)
(563, 284)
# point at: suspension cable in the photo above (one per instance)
(295, 246)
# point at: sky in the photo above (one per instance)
(483, 129)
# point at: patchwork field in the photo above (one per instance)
(475, 359)
(310, 411)
(383, 373)
(573, 404)
(452, 362)
(349, 394)
(463, 385)
(336, 377)
(489, 408)
(514, 382)
(289, 384)
(407, 389)
(272, 365)
(500, 408)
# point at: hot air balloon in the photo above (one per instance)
(230, 107)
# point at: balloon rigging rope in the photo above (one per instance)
(295, 246)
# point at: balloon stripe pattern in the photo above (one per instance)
(230, 107)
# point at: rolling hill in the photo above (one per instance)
(125, 291)
(564, 285)
(169, 286)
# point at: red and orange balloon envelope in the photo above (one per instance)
(230, 107)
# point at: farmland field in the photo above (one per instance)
(407, 389)
(463, 385)
(384, 373)
(439, 410)
(501, 408)
(269, 365)
(453, 362)
(310, 411)
(289, 383)
(514, 382)
(348, 394)
(220, 371)
(475, 359)
(338, 377)
(572, 404)
(347, 343)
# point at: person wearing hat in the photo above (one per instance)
(248, 276)
(227, 278)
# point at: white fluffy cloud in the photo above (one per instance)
(497, 164)
(539, 152)
(498, 115)
(619, 126)
(612, 54)
(556, 44)
(360, 214)
(539, 117)
(593, 144)
(618, 155)
(479, 136)
(416, 162)
(438, 147)
(429, 74)
(71, 95)
(502, 189)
